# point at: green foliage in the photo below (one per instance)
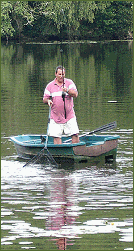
(14, 16)
(6, 26)
(50, 20)
(115, 20)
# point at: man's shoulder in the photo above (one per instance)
(70, 83)
(68, 80)
(50, 83)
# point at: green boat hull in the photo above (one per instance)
(28, 146)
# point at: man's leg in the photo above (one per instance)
(55, 131)
(57, 141)
(75, 138)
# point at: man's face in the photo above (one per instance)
(59, 75)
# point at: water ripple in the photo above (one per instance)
(39, 201)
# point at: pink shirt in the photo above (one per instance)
(57, 109)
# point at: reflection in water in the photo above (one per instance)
(62, 206)
(61, 242)
(43, 203)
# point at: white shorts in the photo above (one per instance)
(57, 130)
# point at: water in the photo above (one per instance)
(81, 205)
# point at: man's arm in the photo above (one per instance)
(47, 101)
(71, 92)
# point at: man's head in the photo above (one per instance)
(59, 67)
(60, 73)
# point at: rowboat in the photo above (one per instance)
(28, 146)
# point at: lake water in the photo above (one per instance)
(79, 206)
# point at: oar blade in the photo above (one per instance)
(106, 127)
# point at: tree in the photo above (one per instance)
(6, 25)
(61, 20)
(114, 21)
(14, 16)
(68, 14)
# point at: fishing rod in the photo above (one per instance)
(63, 93)
(61, 51)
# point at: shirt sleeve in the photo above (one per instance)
(71, 85)
(47, 93)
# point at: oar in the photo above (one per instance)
(45, 147)
(100, 129)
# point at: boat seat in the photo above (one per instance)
(97, 142)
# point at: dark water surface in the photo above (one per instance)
(80, 206)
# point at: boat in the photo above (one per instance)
(28, 146)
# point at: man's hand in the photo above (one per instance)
(71, 92)
(65, 89)
(50, 102)
(47, 101)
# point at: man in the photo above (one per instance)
(59, 94)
